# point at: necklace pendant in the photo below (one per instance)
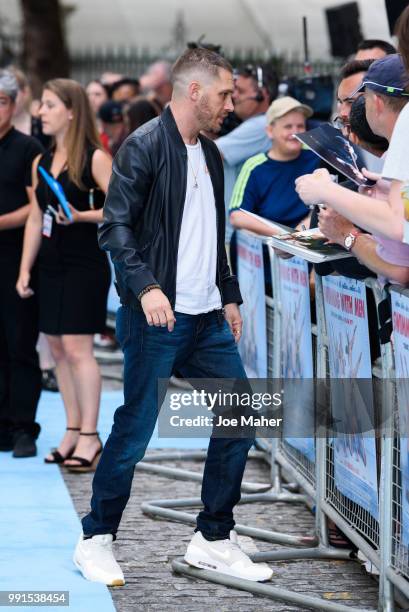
(195, 186)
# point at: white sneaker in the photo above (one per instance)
(226, 557)
(95, 560)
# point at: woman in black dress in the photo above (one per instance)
(74, 272)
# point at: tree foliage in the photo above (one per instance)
(45, 54)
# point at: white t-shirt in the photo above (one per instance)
(196, 289)
(397, 161)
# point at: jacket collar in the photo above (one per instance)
(170, 125)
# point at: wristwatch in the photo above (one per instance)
(350, 239)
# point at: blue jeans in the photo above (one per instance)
(200, 346)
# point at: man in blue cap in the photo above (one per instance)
(384, 87)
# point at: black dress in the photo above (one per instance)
(74, 274)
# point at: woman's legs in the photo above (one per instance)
(67, 388)
(86, 380)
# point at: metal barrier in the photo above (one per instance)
(320, 548)
(380, 540)
(302, 470)
(395, 549)
(362, 527)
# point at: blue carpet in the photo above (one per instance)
(39, 525)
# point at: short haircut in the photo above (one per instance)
(355, 67)
(199, 60)
(360, 126)
(371, 43)
(394, 103)
(269, 78)
(8, 84)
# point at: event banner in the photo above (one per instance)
(296, 347)
(400, 318)
(350, 358)
(253, 343)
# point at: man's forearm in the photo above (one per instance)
(14, 219)
(375, 216)
(364, 250)
(240, 220)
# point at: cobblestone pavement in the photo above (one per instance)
(146, 547)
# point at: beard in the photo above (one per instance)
(207, 119)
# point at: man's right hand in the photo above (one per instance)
(157, 309)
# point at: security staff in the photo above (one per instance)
(20, 375)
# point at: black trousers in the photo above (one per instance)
(20, 374)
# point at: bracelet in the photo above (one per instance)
(147, 289)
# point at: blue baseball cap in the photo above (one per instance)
(386, 76)
(111, 112)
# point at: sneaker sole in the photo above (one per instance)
(116, 582)
(203, 561)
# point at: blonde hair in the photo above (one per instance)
(82, 131)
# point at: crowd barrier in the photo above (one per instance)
(381, 539)
(377, 526)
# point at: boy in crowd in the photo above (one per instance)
(266, 182)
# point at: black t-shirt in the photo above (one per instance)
(17, 152)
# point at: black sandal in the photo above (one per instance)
(56, 455)
(86, 465)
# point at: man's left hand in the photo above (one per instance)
(233, 318)
(312, 187)
(334, 226)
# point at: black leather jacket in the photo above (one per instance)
(144, 208)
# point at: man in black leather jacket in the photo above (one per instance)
(164, 228)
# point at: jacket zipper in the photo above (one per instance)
(179, 230)
(218, 251)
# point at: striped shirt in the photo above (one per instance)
(266, 187)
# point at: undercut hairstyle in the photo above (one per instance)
(402, 32)
(355, 67)
(197, 61)
(371, 43)
(394, 103)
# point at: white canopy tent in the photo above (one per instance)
(233, 23)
